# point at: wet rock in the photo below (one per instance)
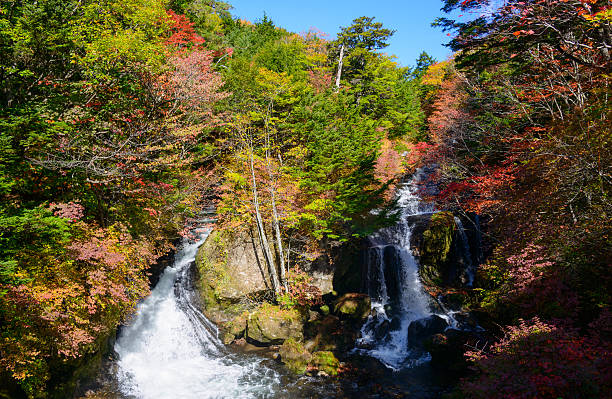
(325, 362)
(295, 356)
(364, 345)
(466, 321)
(353, 306)
(382, 330)
(396, 324)
(392, 262)
(349, 267)
(433, 248)
(156, 269)
(420, 330)
(272, 325)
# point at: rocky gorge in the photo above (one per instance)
(310, 339)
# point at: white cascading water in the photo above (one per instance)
(390, 261)
(171, 350)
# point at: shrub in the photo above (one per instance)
(540, 360)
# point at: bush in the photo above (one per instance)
(540, 360)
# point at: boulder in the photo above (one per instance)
(330, 333)
(272, 325)
(353, 306)
(326, 362)
(234, 329)
(384, 329)
(422, 329)
(294, 356)
(229, 267)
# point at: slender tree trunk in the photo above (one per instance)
(339, 74)
(275, 221)
(279, 242)
(265, 247)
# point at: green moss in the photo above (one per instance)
(436, 246)
(353, 306)
(325, 310)
(211, 269)
(325, 361)
(213, 278)
(271, 324)
(234, 329)
(295, 356)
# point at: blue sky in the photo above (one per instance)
(410, 18)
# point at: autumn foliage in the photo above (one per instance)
(521, 120)
(98, 170)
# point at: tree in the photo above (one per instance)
(358, 41)
(104, 112)
(422, 64)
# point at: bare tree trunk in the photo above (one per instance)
(275, 222)
(339, 74)
(262, 234)
(279, 242)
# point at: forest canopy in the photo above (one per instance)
(122, 121)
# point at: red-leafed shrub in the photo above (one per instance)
(540, 360)
(300, 292)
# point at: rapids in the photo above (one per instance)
(171, 350)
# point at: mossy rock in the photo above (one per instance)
(294, 356)
(435, 248)
(353, 306)
(330, 334)
(235, 328)
(324, 310)
(325, 361)
(272, 325)
(229, 269)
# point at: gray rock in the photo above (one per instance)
(422, 329)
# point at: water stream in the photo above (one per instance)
(171, 350)
(395, 287)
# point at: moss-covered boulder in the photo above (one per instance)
(434, 248)
(294, 356)
(272, 325)
(235, 328)
(353, 306)
(229, 268)
(326, 362)
(331, 334)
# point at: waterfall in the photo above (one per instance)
(466, 255)
(171, 350)
(394, 286)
